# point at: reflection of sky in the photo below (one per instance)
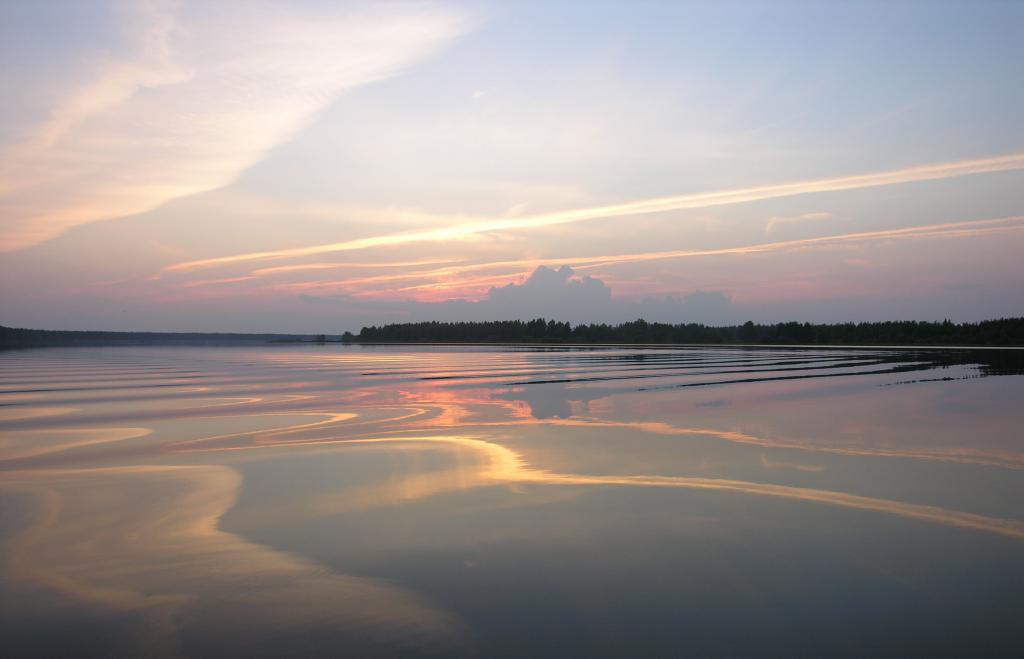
(336, 490)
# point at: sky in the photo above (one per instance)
(320, 166)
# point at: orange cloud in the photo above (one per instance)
(262, 272)
(185, 110)
(450, 279)
(645, 206)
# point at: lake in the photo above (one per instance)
(511, 501)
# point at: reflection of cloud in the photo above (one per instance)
(482, 462)
(145, 540)
(934, 514)
(644, 206)
(17, 444)
(206, 91)
(1005, 460)
(544, 405)
(498, 464)
(552, 400)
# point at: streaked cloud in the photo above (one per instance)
(951, 229)
(776, 220)
(202, 92)
(353, 265)
(306, 164)
(450, 281)
(641, 207)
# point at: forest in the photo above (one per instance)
(1000, 332)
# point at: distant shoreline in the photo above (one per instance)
(1004, 332)
(1000, 333)
(14, 338)
(573, 344)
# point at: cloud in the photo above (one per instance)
(563, 295)
(640, 207)
(698, 307)
(551, 292)
(557, 294)
(464, 279)
(806, 217)
(304, 267)
(204, 91)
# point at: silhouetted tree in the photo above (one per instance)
(1001, 332)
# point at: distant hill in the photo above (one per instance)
(1001, 332)
(33, 338)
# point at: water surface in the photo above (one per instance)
(490, 501)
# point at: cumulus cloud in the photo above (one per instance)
(563, 295)
(556, 294)
(201, 92)
(553, 292)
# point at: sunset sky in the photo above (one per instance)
(319, 166)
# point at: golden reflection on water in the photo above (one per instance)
(17, 444)
(15, 414)
(481, 463)
(128, 485)
(146, 539)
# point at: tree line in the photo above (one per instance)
(17, 337)
(1000, 332)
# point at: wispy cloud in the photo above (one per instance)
(805, 217)
(459, 279)
(645, 206)
(355, 265)
(187, 108)
(951, 229)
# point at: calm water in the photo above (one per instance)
(338, 500)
